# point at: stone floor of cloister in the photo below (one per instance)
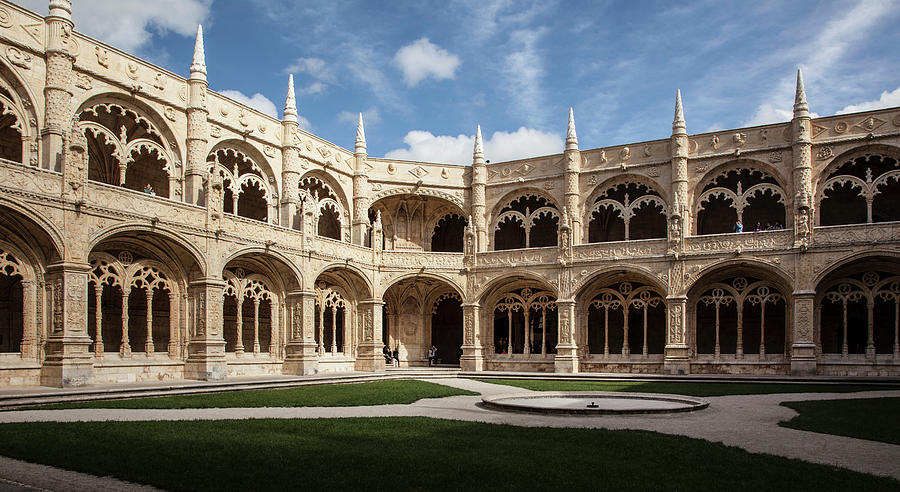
(749, 422)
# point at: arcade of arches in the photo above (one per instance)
(168, 232)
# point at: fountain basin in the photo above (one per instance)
(594, 403)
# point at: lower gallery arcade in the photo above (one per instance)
(143, 290)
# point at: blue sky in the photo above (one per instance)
(424, 73)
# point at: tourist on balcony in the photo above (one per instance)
(759, 227)
(149, 189)
(738, 227)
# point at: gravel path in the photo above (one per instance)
(747, 421)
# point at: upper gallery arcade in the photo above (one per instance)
(153, 229)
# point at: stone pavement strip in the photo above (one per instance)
(749, 422)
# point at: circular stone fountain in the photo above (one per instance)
(593, 403)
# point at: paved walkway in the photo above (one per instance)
(748, 421)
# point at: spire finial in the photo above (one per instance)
(61, 9)
(478, 154)
(571, 136)
(801, 108)
(198, 64)
(360, 136)
(290, 102)
(678, 124)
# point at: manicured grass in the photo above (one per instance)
(875, 419)
(409, 454)
(688, 389)
(324, 395)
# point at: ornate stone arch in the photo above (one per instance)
(48, 237)
(859, 183)
(198, 258)
(126, 133)
(454, 286)
(287, 275)
(493, 289)
(17, 101)
(16, 262)
(628, 207)
(420, 191)
(242, 165)
(733, 185)
(326, 196)
(510, 211)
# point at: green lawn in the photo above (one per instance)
(876, 419)
(409, 453)
(688, 389)
(324, 395)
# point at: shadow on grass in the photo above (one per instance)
(688, 389)
(408, 454)
(324, 395)
(875, 419)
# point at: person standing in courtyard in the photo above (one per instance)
(432, 356)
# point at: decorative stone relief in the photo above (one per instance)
(102, 56)
(870, 124)
(18, 58)
(5, 19)
(170, 113)
(840, 127)
(825, 152)
(131, 70)
(83, 81)
(775, 156)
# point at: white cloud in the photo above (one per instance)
(129, 24)
(523, 70)
(422, 59)
(371, 117)
(887, 100)
(821, 55)
(500, 147)
(316, 67)
(313, 89)
(257, 101)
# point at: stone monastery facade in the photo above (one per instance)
(152, 229)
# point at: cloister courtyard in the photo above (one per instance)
(429, 430)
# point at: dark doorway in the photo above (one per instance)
(446, 330)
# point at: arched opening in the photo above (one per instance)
(863, 189)
(528, 221)
(133, 307)
(12, 327)
(332, 312)
(326, 202)
(448, 234)
(418, 222)
(625, 318)
(525, 322)
(741, 315)
(126, 149)
(329, 221)
(10, 128)
(744, 195)
(247, 312)
(340, 320)
(627, 211)
(446, 328)
(859, 309)
(246, 192)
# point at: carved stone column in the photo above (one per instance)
(803, 348)
(479, 182)
(801, 150)
(573, 166)
(369, 357)
(68, 350)
(678, 214)
(300, 352)
(290, 158)
(206, 349)
(197, 126)
(677, 359)
(360, 187)
(58, 84)
(566, 349)
(473, 353)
